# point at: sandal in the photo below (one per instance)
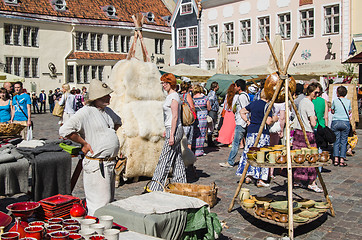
(315, 188)
(247, 180)
(343, 164)
(335, 163)
(261, 183)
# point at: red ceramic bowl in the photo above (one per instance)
(72, 228)
(37, 223)
(10, 236)
(60, 235)
(23, 209)
(68, 222)
(35, 232)
(97, 237)
(54, 228)
(75, 236)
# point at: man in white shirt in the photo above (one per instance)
(241, 100)
(94, 126)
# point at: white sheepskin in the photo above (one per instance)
(138, 99)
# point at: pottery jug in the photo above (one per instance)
(313, 158)
(244, 194)
(324, 156)
(270, 87)
(19, 226)
(283, 218)
(276, 216)
(78, 210)
(300, 158)
(260, 211)
(281, 159)
(269, 214)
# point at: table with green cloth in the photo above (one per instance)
(164, 215)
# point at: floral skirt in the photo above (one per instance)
(255, 172)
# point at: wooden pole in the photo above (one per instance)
(299, 119)
(289, 164)
(239, 186)
(290, 57)
(325, 191)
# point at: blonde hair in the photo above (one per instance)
(262, 94)
(197, 89)
(66, 87)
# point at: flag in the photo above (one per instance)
(352, 48)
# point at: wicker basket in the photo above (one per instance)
(206, 193)
(11, 129)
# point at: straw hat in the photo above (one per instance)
(98, 89)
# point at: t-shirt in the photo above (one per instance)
(241, 101)
(24, 100)
(319, 108)
(213, 101)
(257, 111)
(339, 112)
(306, 110)
(167, 114)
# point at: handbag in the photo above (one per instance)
(58, 110)
(188, 118)
(350, 134)
(326, 133)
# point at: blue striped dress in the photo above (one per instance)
(200, 127)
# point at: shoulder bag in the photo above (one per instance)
(188, 117)
(350, 134)
(31, 125)
(59, 109)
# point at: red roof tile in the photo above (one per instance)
(96, 56)
(92, 9)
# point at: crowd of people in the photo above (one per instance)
(237, 121)
(234, 120)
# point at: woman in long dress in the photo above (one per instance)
(226, 134)
(186, 97)
(256, 110)
(202, 106)
(306, 176)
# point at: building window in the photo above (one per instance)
(193, 37)
(34, 37)
(229, 32)
(110, 11)
(159, 46)
(186, 8)
(307, 23)
(34, 67)
(71, 73)
(60, 5)
(245, 31)
(27, 67)
(85, 74)
(331, 19)
(9, 65)
(125, 43)
(214, 36)
(94, 72)
(210, 64)
(96, 42)
(26, 36)
(100, 73)
(182, 38)
(113, 43)
(8, 33)
(16, 34)
(264, 28)
(82, 41)
(11, 1)
(17, 66)
(284, 25)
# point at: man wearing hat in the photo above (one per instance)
(42, 98)
(94, 126)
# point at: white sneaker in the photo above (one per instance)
(225, 164)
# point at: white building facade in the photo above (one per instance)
(321, 28)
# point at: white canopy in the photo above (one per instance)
(6, 77)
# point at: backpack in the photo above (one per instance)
(188, 117)
(78, 102)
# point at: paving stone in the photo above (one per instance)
(344, 186)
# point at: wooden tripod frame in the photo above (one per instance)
(288, 97)
(138, 21)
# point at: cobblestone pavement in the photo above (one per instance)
(344, 186)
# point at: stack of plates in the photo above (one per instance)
(57, 206)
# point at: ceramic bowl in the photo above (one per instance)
(321, 205)
(248, 203)
(282, 206)
(299, 219)
(306, 203)
(23, 209)
(308, 214)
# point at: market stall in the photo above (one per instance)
(280, 88)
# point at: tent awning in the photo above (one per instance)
(6, 77)
(225, 80)
(355, 59)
